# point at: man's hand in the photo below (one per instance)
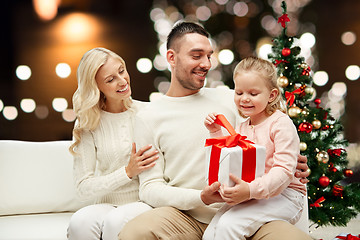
(302, 169)
(236, 194)
(210, 194)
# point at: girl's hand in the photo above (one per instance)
(237, 194)
(210, 123)
(141, 160)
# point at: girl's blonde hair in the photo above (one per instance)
(88, 101)
(266, 70)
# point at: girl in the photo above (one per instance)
(106, 163)
(277, 195)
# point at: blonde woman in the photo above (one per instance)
(106, 163)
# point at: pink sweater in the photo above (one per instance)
(279, 135)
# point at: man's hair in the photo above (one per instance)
(182, 28)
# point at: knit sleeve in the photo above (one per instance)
(154, 189)
(88, 184)
(286, 150)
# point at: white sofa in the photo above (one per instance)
(37, 194)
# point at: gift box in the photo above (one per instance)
(347, 236)
(233, 154)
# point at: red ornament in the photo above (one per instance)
(306, 71)
(348, 172)
(324, 181)
(332, 168)
(317, 102)
(338, 190)
(326, 127)
(305, 127)
(286, 52)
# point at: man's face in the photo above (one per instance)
(192, 61)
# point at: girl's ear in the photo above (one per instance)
(273, 94)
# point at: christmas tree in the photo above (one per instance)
(331, 201)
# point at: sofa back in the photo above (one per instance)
(36, 177)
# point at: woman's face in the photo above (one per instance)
(113, 80)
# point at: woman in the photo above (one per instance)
(106, 163)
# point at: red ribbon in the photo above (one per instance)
(290, 96)
(336, 152)
(317, 202)
(349, 237)
(277, 62)
(235, 139)
(283, 19)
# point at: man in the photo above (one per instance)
(176, 185)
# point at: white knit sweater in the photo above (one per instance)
(103, 154)
(175, 126)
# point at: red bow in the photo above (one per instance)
(283, 19)
(349, 237)
(277, 62)
(336, 152)
(290, 96)
(317, 202)
(233, 140)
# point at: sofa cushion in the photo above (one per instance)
(36, 177)
(51, 226)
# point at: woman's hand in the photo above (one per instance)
(236, 194)
(302, 169)
(141, 160)
(210, 123)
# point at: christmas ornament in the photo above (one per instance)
(304, 65)
(317, 102)
(305, 127)
(286, 52)
(322, 156)
(306, 71)
(303, 146)
(283, 81)
(348, 172)
(316, 124)
(294, 111)
(326, 127)
(332, 168)
(324, 181)
(305, 112)
(311, 92)
(277, 62)
(337, 190)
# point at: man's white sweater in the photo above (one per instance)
(175, 126)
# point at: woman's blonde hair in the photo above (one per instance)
(88, 101)
(266, 70)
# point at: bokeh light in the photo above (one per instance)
(352, 72)
(144, 65)
(226, 56)
(68, 115)
(203, 13)
(41, 112)
(348, 38)
(307, 40)
(1, 105)
(59, 104)
(10, 112)
(63, 70)
(28, 105)
(23, 72)
(241, 9)
(320, 78)
(46, 9)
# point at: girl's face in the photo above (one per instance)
(113, 81)
(252, 95)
